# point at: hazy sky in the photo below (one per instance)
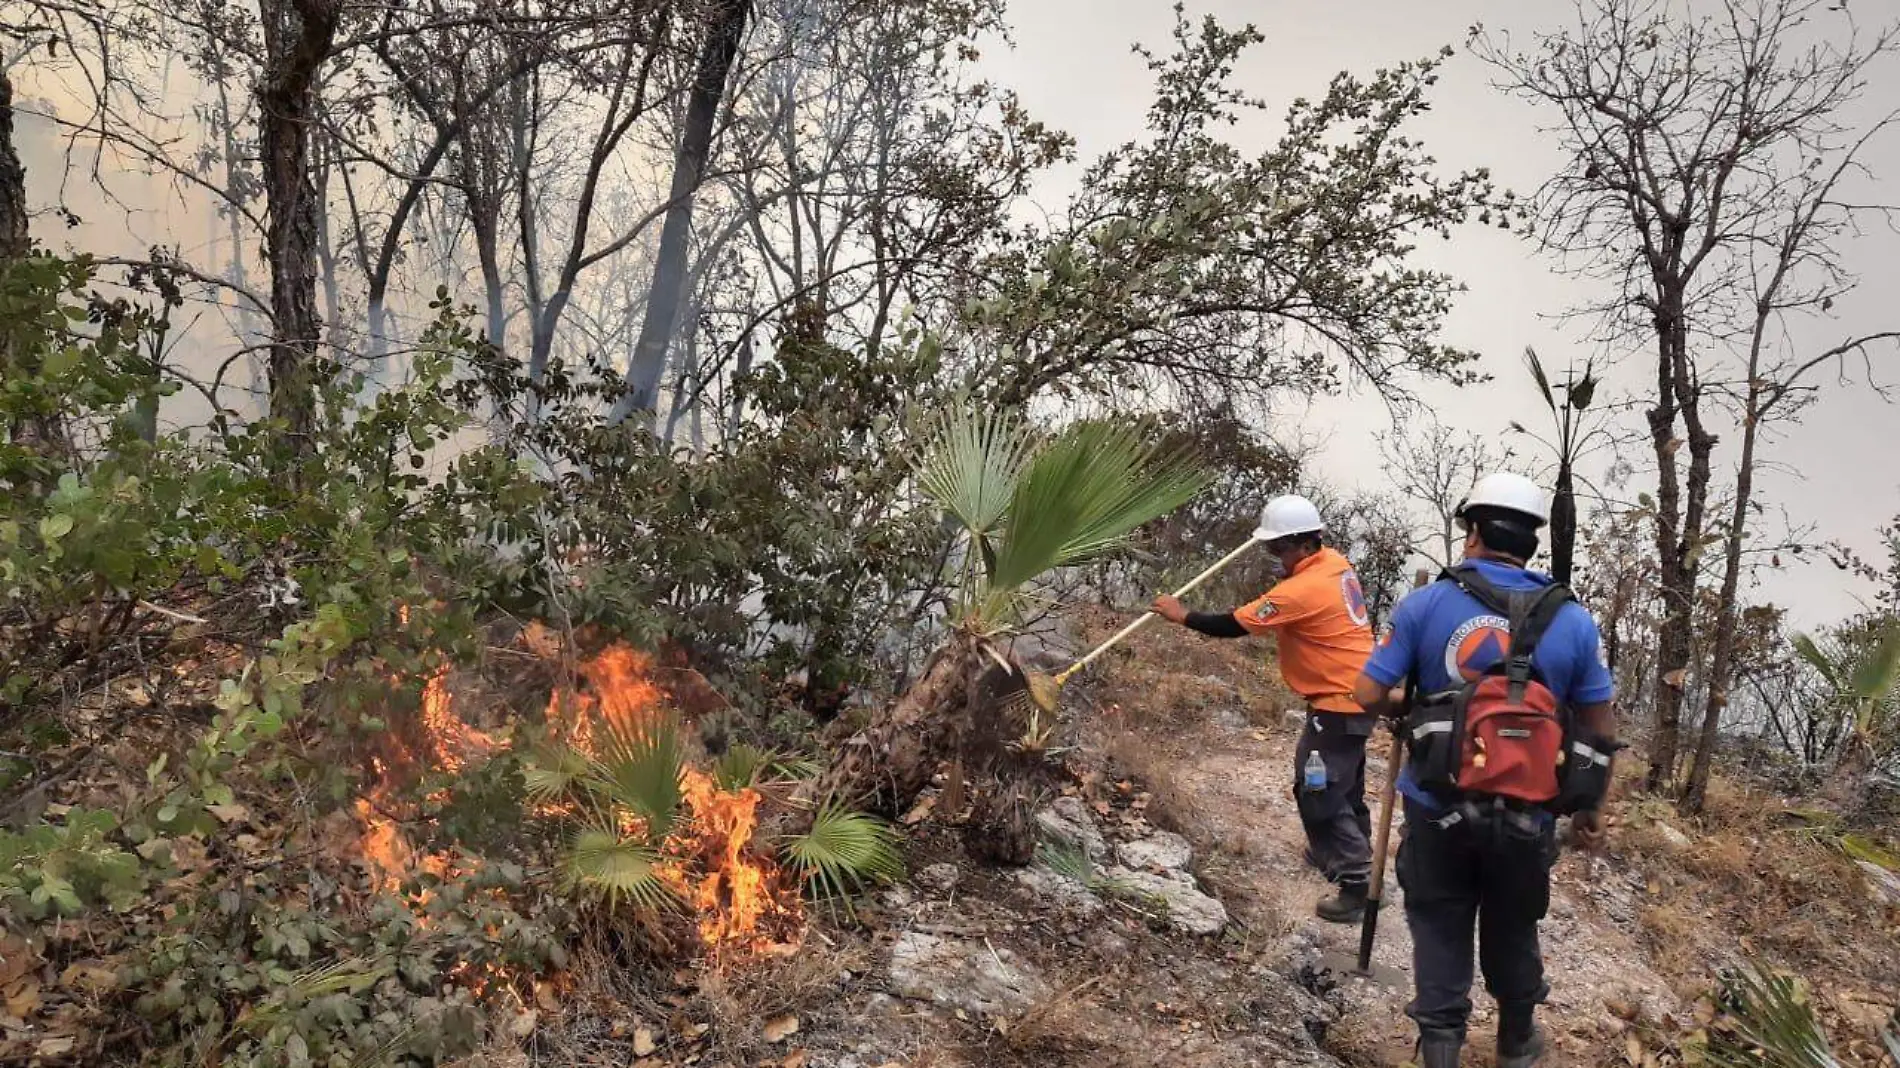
(1073, 68)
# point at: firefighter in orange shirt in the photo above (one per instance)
(1318, 611)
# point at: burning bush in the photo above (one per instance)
(652, 831)
(643, 829)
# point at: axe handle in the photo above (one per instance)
(1376, 889)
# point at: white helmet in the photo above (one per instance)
(1511, 493)
(1286, 516)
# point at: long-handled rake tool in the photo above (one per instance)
(1045, 691)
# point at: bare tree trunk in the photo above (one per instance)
(735, 410)
(14, 239)
(236, 196)
(716, 57)
(1677, 583)
(326, 247)
(685, 381)
(1722, 658)
(42, 434)
(297, 38)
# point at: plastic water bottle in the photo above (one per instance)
(1315, 772)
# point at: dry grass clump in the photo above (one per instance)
(1060, 1028)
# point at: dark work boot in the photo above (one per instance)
(1520, 1041)
(1347, 906)
(1439, 1049)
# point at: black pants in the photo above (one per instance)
(1338, 824)
(1488, 871)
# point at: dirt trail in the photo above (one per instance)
(1212, 733)
(1239, 783)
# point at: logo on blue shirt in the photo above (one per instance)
(1475, 645)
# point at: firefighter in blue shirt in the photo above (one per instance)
(1491, 873)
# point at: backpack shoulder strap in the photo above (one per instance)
(1531, 613)
(1467, 577)
(1541, 614)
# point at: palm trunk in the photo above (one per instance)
(1563, 522)
(890, 761)
(648, 365)
(958, 714)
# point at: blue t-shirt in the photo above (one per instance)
(1448, 638)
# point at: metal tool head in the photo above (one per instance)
(1340, 966)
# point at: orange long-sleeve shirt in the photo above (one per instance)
(1325, 632)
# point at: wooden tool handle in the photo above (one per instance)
(1131, 628)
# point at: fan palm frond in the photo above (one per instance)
(1083, 493)
(1769, 1022)
(743, 765)
(600, 860)
(639, 770)
(973, 466)
(843, 852)
(1875, 678)
(553, 772)
(1820, 660)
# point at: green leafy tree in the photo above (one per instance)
(1190, 265)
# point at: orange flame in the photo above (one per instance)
(737, 891)
(739, 898)
(453, 742)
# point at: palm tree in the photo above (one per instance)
(1024, 504)
(1573, 439)
(1863, 681)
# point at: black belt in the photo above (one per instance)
(1520, 814)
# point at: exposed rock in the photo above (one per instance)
(1294, 718)
(1057, 889)
(1161, 851)
(1671, 837)
(1229, 716)
(1219, 687)
(1885, 884)
(897, 897)
(972, 976)
(1107, 944)
(1189, 910)
(939, 878)
(1067, 819)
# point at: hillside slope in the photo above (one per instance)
(1637, 934)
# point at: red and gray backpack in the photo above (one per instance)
(1505, 734)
